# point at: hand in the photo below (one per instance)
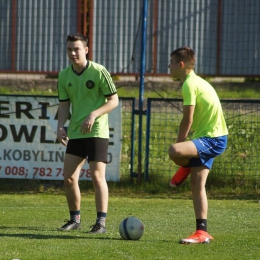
(86, 126)
(62, 136)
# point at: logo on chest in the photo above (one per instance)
(90, 84)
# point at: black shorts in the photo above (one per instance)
(93, 149)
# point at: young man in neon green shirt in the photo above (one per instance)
(87, 89)
(202, 114)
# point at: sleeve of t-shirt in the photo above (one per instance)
(188, 94)
(62, 92)
(107, 85)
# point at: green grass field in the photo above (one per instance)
(29, 229)
(29, 222)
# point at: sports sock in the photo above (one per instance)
(101, 218)
(201, 224)
(75, 216)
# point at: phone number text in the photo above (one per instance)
(40, 172)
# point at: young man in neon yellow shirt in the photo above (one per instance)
(87, 89)
(202, 114)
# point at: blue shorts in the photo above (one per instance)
(208, 148)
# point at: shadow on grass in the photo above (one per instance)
(90, 237)
(70, 237)
(59, 235)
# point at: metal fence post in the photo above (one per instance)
(141, 89)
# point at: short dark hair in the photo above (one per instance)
(185, 54)
(77, 37)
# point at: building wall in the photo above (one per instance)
(35, 34)
(225, 35)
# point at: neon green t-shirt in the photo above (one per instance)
(208, 118)
(86, 91)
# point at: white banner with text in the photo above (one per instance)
(28, 144)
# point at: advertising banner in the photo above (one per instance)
(29, 148)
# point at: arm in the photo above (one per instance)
(186, 123)
(63, 115)
(112, 102)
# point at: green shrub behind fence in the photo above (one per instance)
(237, 166)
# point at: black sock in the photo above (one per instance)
(101, 218)
(75, 216)
(201, 224)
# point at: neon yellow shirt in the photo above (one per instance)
(208, 118)
(87, 92)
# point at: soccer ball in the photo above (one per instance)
(131, 228)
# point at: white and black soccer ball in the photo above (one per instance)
(131, 228)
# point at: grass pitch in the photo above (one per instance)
(29, 225)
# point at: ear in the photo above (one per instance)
(182, 64)
(86, 49)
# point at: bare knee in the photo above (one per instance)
(197, 187)
(172, 152)
(175, 155)
(99, 181)
(68, 182)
